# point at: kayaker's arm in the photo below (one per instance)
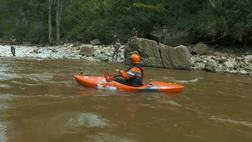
(124, 74)
(117, 70)
(134, 72)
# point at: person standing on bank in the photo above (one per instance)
(134, 33)
(116, 44)
(12, 42)
(163, 34)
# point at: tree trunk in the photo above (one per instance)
(58, 19)
(50, 21)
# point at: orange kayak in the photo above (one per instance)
(100, 83)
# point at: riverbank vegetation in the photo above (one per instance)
(56, 21)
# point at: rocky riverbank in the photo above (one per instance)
(195, 57)
(228, 64)
(86, 52)
(198, 57)
(230, 60)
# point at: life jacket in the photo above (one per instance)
(136, 78)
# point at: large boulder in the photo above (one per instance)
(158, 55)
(184, 57)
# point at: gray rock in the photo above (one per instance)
(249, 68)
(77, 47)
(222, 59)
(200, 48)
(220, 68)
(184, 58)
(108, 53)
(232, 71)
(95, 42)
(211, 66)
(230, 63)
(36, 50)
(148, 49)
(86, 51)
(189, 48)
(216, 53)
(76, 43)
(196, 59)
(248, 59)
(244, 72)
(54, 50)
(103, 58)
(200, 66)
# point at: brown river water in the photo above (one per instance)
(41, 102)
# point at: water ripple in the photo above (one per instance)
(3, 132)
(88, 120)
(40, 76)
(71, 122)
(186, 81)
(223, 120)
(8, 76)
(104, 137)
(5, 86)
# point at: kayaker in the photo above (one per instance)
(133, 76)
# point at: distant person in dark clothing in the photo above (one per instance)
(134, 33)
(116, 48)
(163, 34)
(12, 43)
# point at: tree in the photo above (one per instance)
(50, 21)
(58, 19)
(54, 12)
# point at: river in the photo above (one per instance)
(41, 102)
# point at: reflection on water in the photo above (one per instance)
(40, 101)
(4, 86)
(3, 131)
(172, 79)
(75, 120)
(8, 76)
(103, 137)
(4, 101)
(39, 76)
(222, 120)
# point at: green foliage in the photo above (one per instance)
(25, 19)
(225, 19)
(156, 7)
(210, 20)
